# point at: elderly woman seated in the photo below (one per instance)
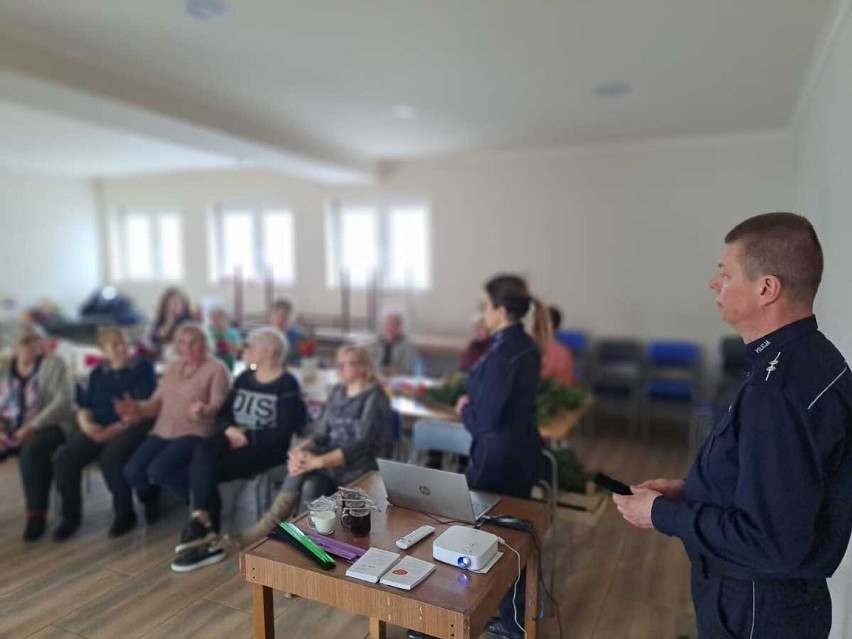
(355, 429)
(392, 353)
(36, 416)
(104, 435)
(185, 404)
(254, 427)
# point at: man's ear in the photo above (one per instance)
(770, 289)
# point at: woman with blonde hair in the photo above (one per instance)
(104, 435)
(355, 429)
(185, 404)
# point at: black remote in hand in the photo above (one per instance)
(612, 485)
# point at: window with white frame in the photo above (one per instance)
(257, 240)
(147, 246)
(386, 242)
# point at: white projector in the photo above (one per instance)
(467, 548)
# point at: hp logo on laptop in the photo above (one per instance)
(424, 490)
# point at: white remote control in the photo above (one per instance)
(414, 536)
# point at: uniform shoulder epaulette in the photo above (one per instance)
(772, 373)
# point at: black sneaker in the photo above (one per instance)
(65, 529)
(416, 634)
(194, 534)
(198, 558)
(498, 630)
(34, 529)
(152, 510)
(122, 524)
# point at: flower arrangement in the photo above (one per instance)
(307, 347)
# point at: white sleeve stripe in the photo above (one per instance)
(845, 368)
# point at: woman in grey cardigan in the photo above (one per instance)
(36, 416)
(355, 429)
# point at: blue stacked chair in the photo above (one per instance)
(577, 342)
(673, 375)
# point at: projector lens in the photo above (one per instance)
(464, 562)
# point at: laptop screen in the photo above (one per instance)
(428, 490)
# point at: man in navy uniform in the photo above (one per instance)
(766, 510)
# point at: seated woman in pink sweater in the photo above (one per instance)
(185, 404)
(557, 362)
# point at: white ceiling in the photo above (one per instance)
(481, 74)
(44, 142)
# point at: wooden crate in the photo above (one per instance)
(582, 509)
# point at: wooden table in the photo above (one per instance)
(559, 429)
(450, 603)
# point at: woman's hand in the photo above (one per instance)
(126, 407)
(464, 400)
(92, 430)
(302, 461)
(236, 437)
(6, 442)
(23, 434)
(197, 410)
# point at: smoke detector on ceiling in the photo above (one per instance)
(207, 10)
(610, 90)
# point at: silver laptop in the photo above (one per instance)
(434, 491)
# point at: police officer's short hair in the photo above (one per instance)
(784, 245)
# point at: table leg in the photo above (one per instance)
(530, 624)
(264, 618)
(378, 628)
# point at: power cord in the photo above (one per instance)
(515, 587)
(527, 526)
(443, 522)
(547, 593)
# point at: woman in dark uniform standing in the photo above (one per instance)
(499, 409)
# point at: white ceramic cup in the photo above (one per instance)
(323, 521)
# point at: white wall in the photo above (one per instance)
(49, 244)
(824, 138)
(623, 238)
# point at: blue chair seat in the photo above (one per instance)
(672, 390)
(575, 341)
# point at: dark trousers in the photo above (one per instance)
(762, 609)
(80, 451)
(311, 485)
(213, 462)
(161, 463)
(487, 471)
(35, 461)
